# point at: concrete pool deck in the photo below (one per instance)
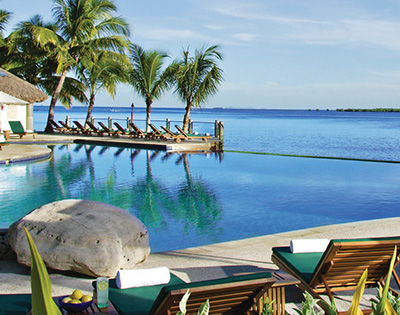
(214, 261)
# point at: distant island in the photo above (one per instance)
(388, 110)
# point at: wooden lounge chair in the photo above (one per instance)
(67, 128)
(124, 131)
(137, 132)
(157, 134)
(191, 137)
(177, 138)
(108, 130)
(82, 129)
(340, 267)
(94, 129)
(232, 295)
(57, 127)
(17, 128)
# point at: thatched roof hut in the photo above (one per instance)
(19, 88)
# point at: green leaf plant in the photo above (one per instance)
(42, 302)
(203, 310)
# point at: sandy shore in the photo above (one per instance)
(211, 261)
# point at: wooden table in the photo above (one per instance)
(94, 309)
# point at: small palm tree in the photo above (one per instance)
(102, 71)
(197, 78)
(4, 18)
(147, 76)
(83, 26)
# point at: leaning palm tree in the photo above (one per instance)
(36, 65)
(83, 26)
(103, 70)
(197, 78)
(147, 76)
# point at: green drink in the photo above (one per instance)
(102, 292)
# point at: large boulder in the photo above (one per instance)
(87, 237)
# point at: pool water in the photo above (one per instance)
(189, 200)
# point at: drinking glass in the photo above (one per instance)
(102, 292)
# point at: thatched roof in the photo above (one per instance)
(19, 88)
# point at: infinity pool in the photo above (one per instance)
(189, 200)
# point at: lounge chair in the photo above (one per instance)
(17, 128)
(83, 129)
(124, 131)
(157, 134)
(108, 130)
(16, 304)
(94, 129)
(176, 137)
(137, 132)
(67, 128)
(191, 137)
(58, 128)
(340, 267)
(232, 295)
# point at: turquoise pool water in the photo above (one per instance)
(190, 200)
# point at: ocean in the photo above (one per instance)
(359, 135)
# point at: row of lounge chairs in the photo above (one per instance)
(338, 268)
(156, 134)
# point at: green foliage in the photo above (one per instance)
(308, 306)
(267, 307)
(203, 310)
(42, 302)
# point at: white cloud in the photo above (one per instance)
(246, 37)
(213, 27)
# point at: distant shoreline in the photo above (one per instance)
(383, 110)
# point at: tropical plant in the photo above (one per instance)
(42, 302)
(102, 70)
(267, 306)
(197, 78)
(83, 26)
(148, 77)
(4, 18)
(203, 310)
(36, 65)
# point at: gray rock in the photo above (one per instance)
(87, 237)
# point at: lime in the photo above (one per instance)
(75, 301)
(77, 294)
(86, 298)
(103, 285)
(66, 299)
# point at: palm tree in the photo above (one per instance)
(197, 78)
(147, 76)
(102, 71)
(34, 64)
(4, 17)
(83, 27)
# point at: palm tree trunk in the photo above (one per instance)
(56, 94)
(148, 111)
(90, 108)
(186, 117)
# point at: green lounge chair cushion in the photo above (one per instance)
(18, 304)
(16, 127)
(136, 301)
(165, 290)
(303, 265)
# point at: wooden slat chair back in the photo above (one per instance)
(81, 128)
(345, 262)
(340, 267)
(225, 298)
(137, 132)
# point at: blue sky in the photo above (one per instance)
(277, 54)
